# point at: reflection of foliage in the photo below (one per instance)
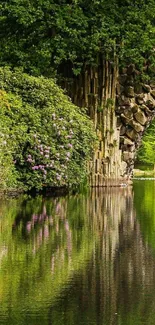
(44, 244)
(145, 206)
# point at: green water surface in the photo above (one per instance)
(82, 259)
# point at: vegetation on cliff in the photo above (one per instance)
(45, 140)
(146, 153)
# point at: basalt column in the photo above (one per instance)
(121, 108)
(95, 88)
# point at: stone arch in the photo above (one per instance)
(135, 109)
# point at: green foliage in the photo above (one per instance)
(49, 139)
(41, 36)
(147, 149)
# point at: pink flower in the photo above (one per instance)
(28, 226)
(35, 167)
(29, 160)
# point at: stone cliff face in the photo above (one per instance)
(135, 109)
(121, 107)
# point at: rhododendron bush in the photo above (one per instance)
(46, 140)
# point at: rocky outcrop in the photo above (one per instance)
(135, 109)
(121, 107)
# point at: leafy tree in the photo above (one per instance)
(41, 36)
(147, 149)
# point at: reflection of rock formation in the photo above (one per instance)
(119, 282)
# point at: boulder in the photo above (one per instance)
(132, 134)
(128, 142)
(140, 99)
(146, 88)
(153, 93)
(122, 130)
(128, 113)
(129, 91)
(140, 117)
(136, 126)
(138, 88)
(124, 101)
(146, 110)
(135, 108)
(128, 155)
(125, 120)
(150, 105)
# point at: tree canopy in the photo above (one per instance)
(41, 35)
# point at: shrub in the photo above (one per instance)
(51, 139)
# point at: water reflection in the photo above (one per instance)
(81, 259)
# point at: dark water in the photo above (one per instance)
(79, 260)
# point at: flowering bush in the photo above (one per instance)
(51, 139)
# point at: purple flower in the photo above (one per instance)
(28, 226)
(29, 160)
(41, 167)
(35, 167)
(68, 154)
(70, 145)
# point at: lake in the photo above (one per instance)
(84, 259)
